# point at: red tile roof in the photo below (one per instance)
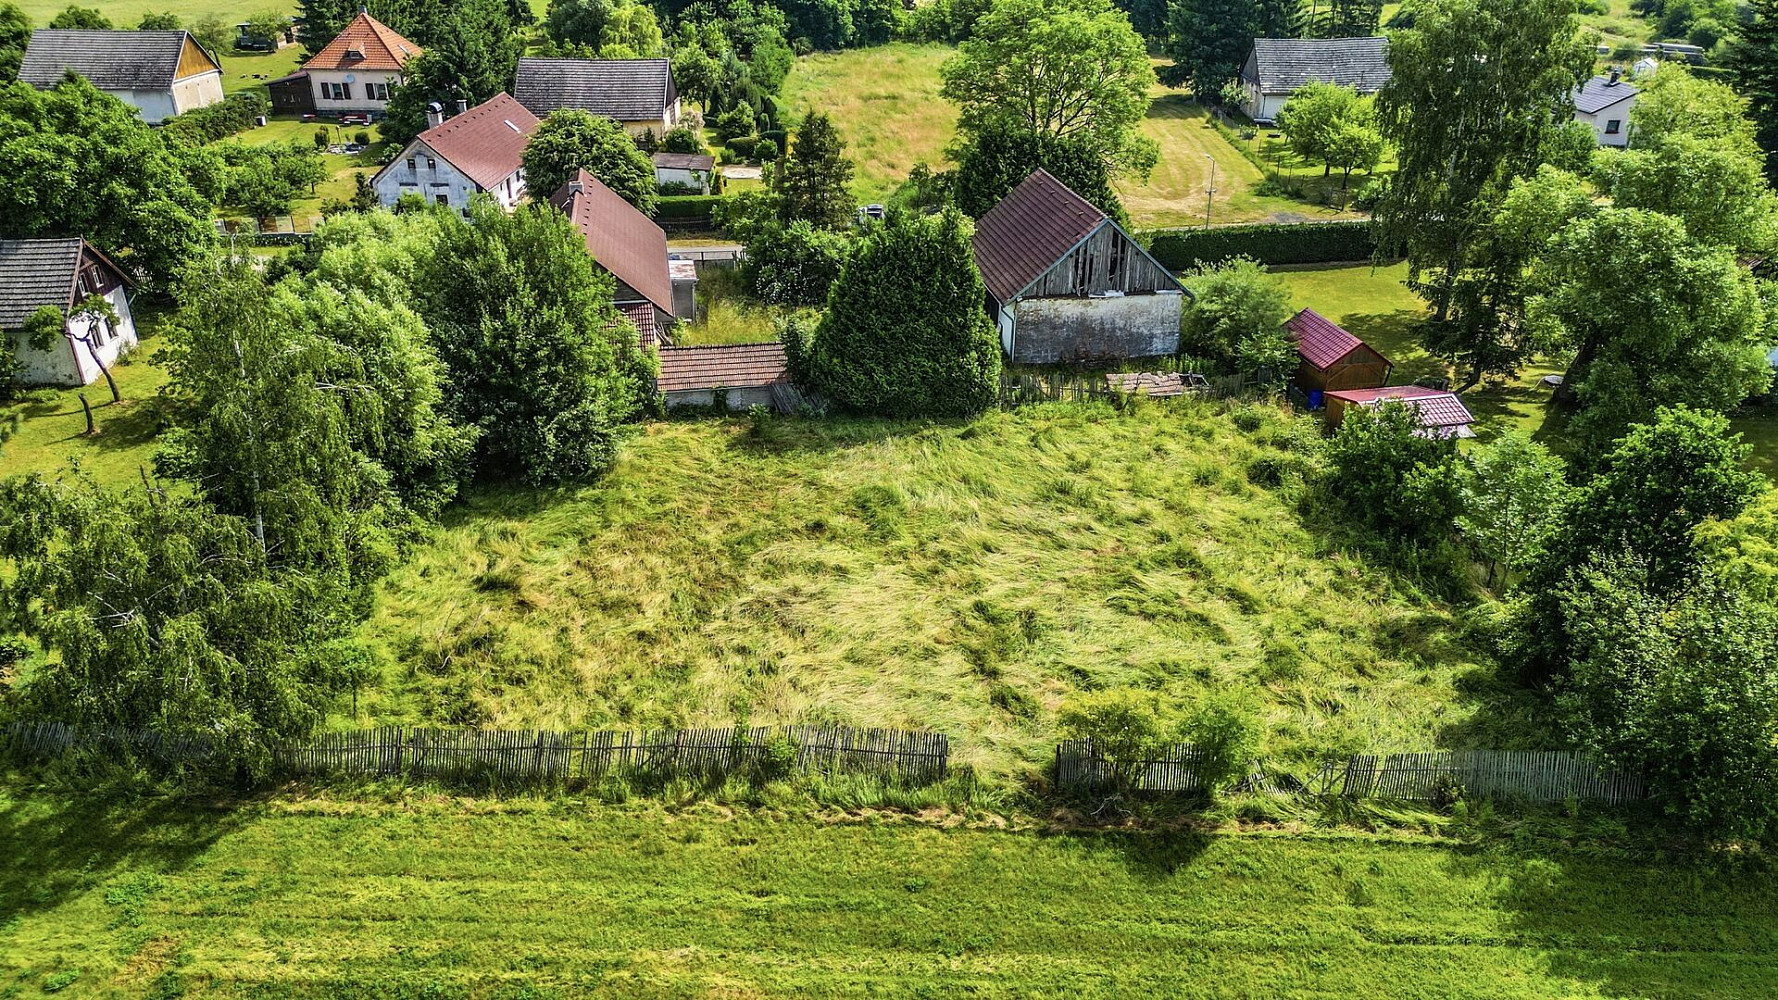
(1031, 228)
(380, 47)
(1438, 411)
(486, 142)
(622, 239)
(727, 366)
(1322, 342)
(641, 316)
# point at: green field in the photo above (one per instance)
(52, 437)
(885, 102)
(128, 13)
(442, 899)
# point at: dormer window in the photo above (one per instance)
(354, 53)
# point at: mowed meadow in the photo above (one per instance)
(429, 898)
(962, 577)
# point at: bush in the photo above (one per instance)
(765, 151)
(905, 333)
(1388, 478)
(682, 139)
(1126, 727)
(794, 265)
(743, 146)
(1266, 243)
(235, 113)
(686, 208)
(1227, 732)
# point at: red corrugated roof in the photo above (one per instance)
(1434, 408)
(381, 47)
(726, 366)
(1031, 228)
(1322, 342)
(487, 142)
(622, 239)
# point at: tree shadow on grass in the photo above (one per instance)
(1157, 853)
(1639, 925)
(57, 846)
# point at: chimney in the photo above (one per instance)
(574, 186)
(434, 115)
(1614, 78)
(364, 8)
(462, 105)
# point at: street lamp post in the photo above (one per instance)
(1209, 192)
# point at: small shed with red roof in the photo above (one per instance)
(1440, 414)
(1332, 357)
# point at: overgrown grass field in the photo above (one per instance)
(447, 899)
(963, 577)
(885, 102)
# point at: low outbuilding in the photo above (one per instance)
(688, 170)
(747, 374)
(1440, 414)
(1332, 357)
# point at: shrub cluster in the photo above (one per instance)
(794, 265)
(236, 113)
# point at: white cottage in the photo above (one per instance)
(1278, 67)
(480, 150)
(60, 273)
(159, 73)
(1604, 103)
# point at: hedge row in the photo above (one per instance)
(1268, 243)
(685, 207)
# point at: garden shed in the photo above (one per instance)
(746, 374)
(1331, 357)
(1440, 414)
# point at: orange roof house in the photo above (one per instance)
(356, 71)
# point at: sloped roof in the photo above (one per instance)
(1281, 65)
(641, 316)
(1322, 342)
(622, 239)
(486, 143)
(629, 90)
(727, 366)
(34, 274)
(1439, 412)
(684, 161)
(1601, 92)
(1031, 228)
(112, 60)
(382, 47)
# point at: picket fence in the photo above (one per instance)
(535, 755)
(1541, 776)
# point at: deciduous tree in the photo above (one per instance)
(15, 34)
(1237, 314)
(570, 139)
(1510, 490)
(1068, 68)
(995, 159)
(83, 18)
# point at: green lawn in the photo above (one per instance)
(885, 102)
(523, 898)
(252, 70)
(52, 435)
(128, 13)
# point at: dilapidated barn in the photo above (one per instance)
(1066, 283)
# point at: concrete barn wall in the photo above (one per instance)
(1047, 331)
(738, 399)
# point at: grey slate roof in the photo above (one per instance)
(112, 60)
(1281, 65)
(629, 90)
(1600, 93)
(33, 274)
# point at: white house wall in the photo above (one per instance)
(66, 363)
(444, 178)
(1600, 121)
(198, 91)
(357, 99)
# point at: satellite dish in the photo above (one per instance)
(351, 78)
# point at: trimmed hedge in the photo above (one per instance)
(685, 207)
(1268, 243)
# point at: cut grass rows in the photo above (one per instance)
(536, 899)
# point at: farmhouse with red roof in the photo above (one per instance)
(357, 70)
(479, 150)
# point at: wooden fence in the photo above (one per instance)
(1543, 776)
(539, 755)
(1053, 387)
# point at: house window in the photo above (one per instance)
(442, 199)
(377, 91)
(431, 164)
(336, 91)
(1612, 125)
(410, 164)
